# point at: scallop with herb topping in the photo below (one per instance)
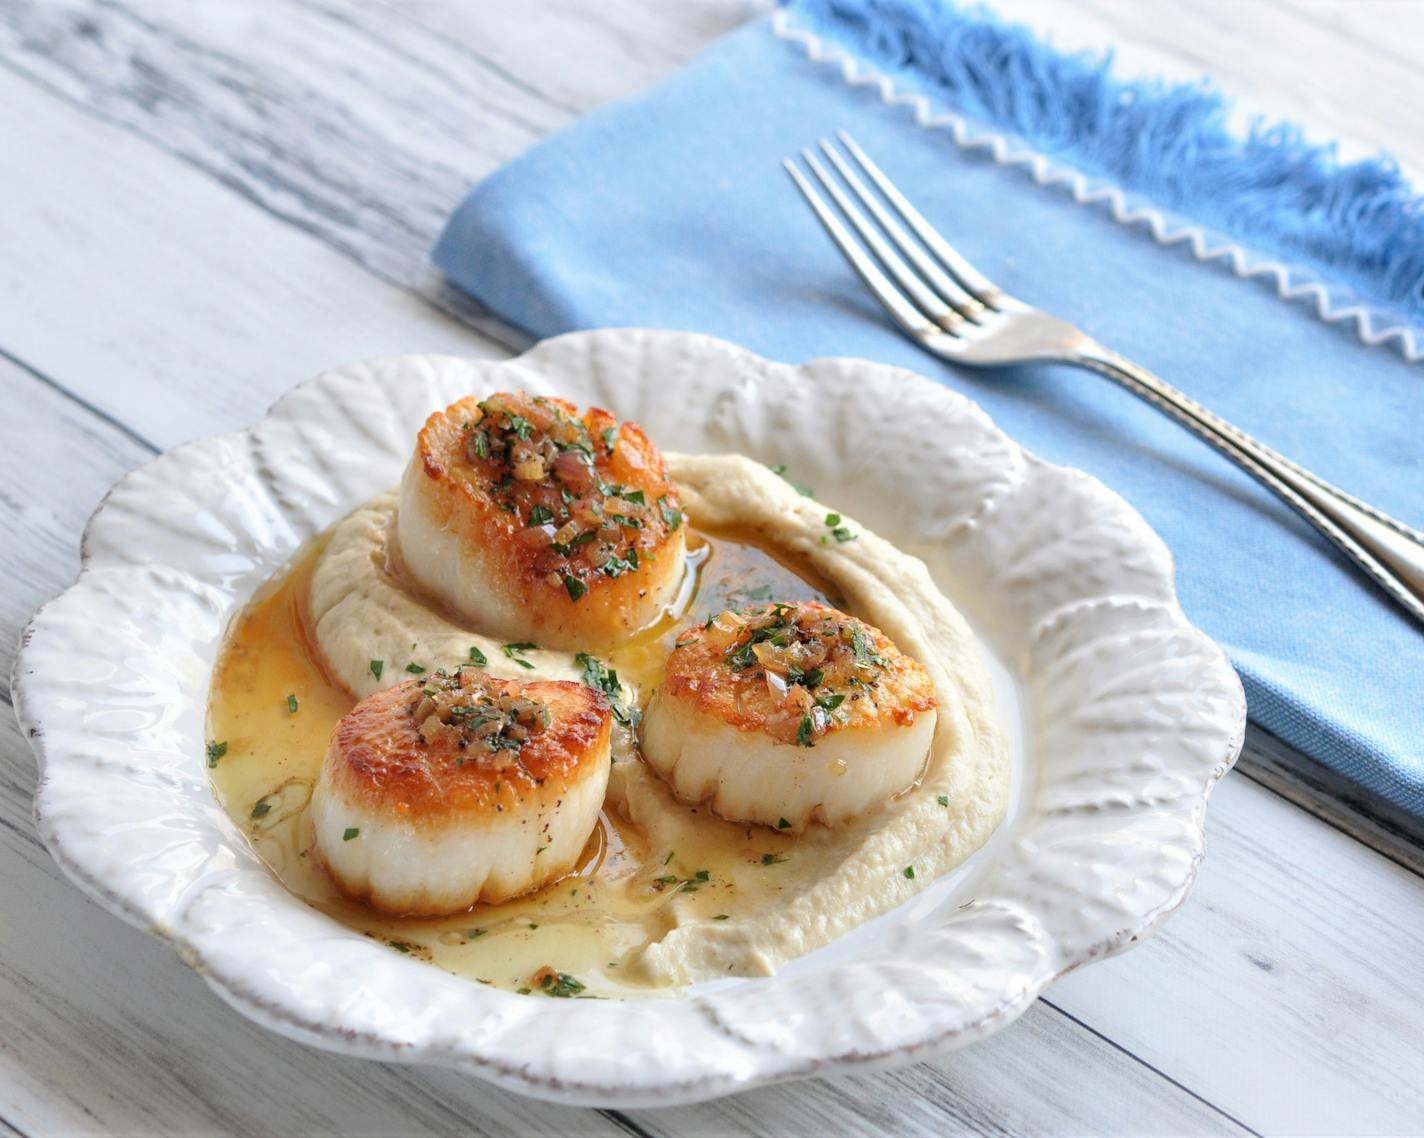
(783, 713)
(534, 522)
(441, 792)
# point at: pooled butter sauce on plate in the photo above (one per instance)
(272, 710)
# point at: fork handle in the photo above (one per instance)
(1391, 552)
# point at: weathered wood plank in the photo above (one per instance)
(1334, 799)
(999, 1086)
(164, 298)
(1288, 989)
(639, 41)
(350, 121)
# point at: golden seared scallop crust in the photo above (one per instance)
(538, 522)
(783, 714)
(441, 792)
(795, 672)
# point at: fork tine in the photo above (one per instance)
(925, 300)
(948, 288)
(971, 278)
(910, 318)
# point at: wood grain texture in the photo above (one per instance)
(201, 204)
(178, 306)
(1287, 990)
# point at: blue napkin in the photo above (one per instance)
(670, 210)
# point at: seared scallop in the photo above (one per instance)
(537, 523)
(441, 792)
(783, 713)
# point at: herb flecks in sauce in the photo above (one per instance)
(600, 677)
(554, 983)
(268, 655)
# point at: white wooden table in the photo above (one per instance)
(203, 203)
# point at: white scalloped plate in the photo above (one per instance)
(1123, 718)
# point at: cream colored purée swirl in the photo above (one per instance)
(830, 879)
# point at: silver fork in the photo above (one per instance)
(951, 309)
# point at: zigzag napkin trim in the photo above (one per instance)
(1332, 303)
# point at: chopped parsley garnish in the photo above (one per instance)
(783, 824)
(637, 497)
(349, 833)
(377, 667)
(771, 859)
(838, 531)
(479, 443)
(513, 650)
(804, 491)
(520, 426)
(670, 879)
(262, 808)
(523, 991)
(576, 588)
(610, 438)
(539, 515)
(215, 752)
(480, 716)
(291, 705)
(564, 549)
(910, 872)
(944, 800)
(560, 984)
(721, 916)
(596, 675)
(478, 658)
(415, 669)
(616, 565)
(404, 947)
(865, 655)
(703, 875)
(831, 701)
(795, 675)
(671, 514)
(601, 678)
(805, 732)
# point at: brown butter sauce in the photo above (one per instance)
(591, 923)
